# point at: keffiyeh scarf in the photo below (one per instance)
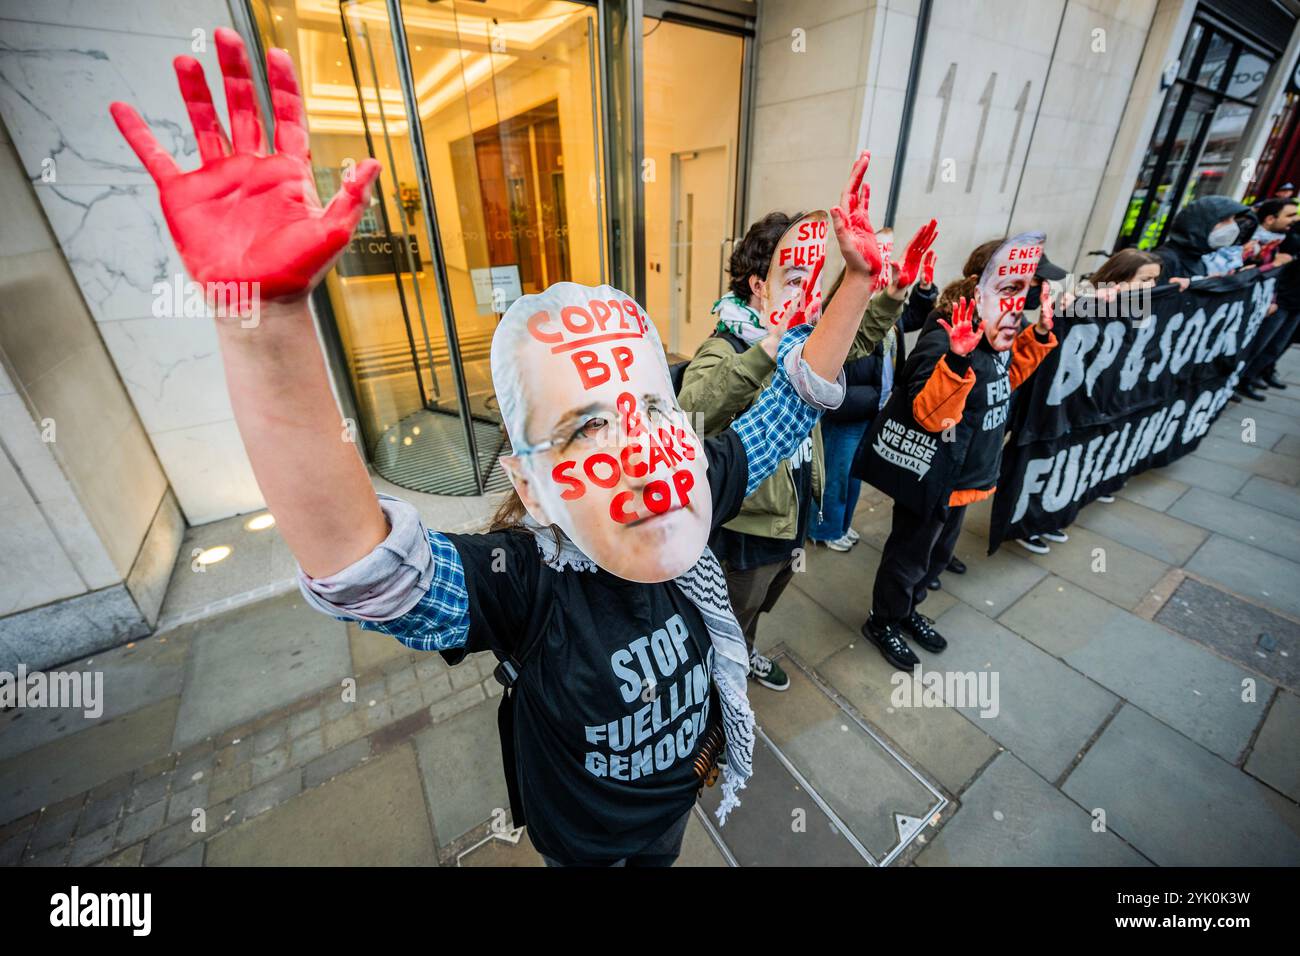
(736, 317)
(706, 587)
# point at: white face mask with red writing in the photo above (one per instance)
(1004, 286)
(602, 450)
(601, 447)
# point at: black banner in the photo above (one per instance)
(1135, 384)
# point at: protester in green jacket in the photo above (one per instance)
(757, 547)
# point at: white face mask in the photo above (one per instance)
(1221, 236)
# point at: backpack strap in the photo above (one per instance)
(507, 672)
(732, 339)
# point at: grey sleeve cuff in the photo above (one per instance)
(388, 581)
(811, 387)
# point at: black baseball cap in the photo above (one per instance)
(1047, 269)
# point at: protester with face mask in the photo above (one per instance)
(1279, 245)
(868, 382)
(625, 665)
(1226, 260)
(937, 446)
(1202, 226)
(1048, 272)
(757, 548)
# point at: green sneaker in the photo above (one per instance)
(767, 672)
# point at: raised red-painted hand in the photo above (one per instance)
(962, 335)
(916, 252)
(245, 216)
(927, 269)
(853, 231)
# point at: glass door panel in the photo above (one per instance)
(509, 112)
(1166, 192)
(505, 104)
(429, 448)
(381, 290)
(689, 173)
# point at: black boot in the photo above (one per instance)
(889, 641)
(921, 629)
(1272, 381)
(1249, 392)
(956, 565)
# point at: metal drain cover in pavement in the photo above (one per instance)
(826, 789)
(1236, 629)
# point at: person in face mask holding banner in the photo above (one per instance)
(937, 445)
(1203, 225)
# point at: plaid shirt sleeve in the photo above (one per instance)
(440, 619)
(772, 428)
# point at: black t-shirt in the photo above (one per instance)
(605, 766)
(745, 551)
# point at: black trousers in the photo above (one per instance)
(1279, 341)
(755, 591)
(917, 550)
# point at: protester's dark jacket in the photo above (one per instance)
(938, 441)
(1188, 237)
(861, 390)
(1288, 279)
(864, 377)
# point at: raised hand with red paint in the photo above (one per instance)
(853, 230)
(246, 216)
(962, 334)
(916, 251)
(927, 269)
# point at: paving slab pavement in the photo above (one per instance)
(1252, 636)
(1179, 805)
(1156, 490)
(1013, 817)
(1178, 681)
(245, 662)
(948, 745)
(1158, 534)
(460, 770)
(1275, 496)
(1244, 522)
(1251, 572)
(1044, 711)
(71, 765)
(373, 815)
(1273, 758)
